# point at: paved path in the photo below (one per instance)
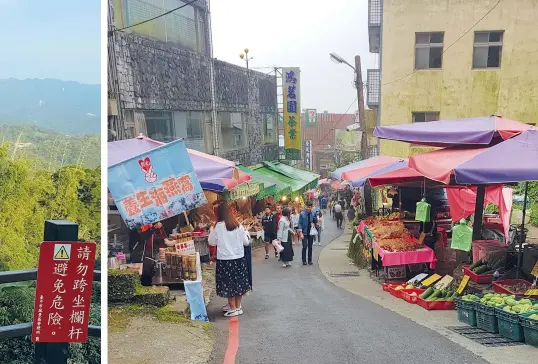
(295, 315)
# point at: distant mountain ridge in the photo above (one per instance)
(63, 106)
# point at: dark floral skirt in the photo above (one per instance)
(232, 278)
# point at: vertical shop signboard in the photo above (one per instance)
(310, 117)
(292, 112)
(63, 292)
(155, 185)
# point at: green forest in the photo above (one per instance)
(50, 150)
(36, 186)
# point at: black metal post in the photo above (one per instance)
(522, 234)
(479, 212)
(56, 353)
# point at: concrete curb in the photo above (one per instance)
(338, 269)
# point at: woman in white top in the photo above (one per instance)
(232, 277)
(284, 235)
(321, 226)
(294, 223)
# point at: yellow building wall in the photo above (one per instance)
(458, 91)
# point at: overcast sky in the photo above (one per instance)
(51, 39)
(298, 33)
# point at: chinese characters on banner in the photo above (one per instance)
(156, 185)
(292, 112)
(63, 292)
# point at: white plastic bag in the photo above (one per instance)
(277, 245)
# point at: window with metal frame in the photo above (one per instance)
(233, 130)
(269, 128)
(429, 50)
(421, 117)
(487, 49)
(160, 125)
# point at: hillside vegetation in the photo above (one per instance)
(47, 149)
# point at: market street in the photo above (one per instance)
(295, 315)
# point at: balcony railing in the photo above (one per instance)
(374, 13)
(373, 93)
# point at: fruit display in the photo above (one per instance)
(434, 294)
(395, 216)
(402, 286)
(496, 299)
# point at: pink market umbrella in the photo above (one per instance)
(442, 133)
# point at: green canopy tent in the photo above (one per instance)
(310, 179)
(296, 186)
(271, 186)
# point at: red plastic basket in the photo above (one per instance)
(498, 287)
(477, 278)
(406, 294)
(436, 305)
(387, 286)
(396, 292)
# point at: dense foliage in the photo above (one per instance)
(50, 150)
(29, 195)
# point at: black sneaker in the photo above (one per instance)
(310, 263)
(304, 263)
(266, 256)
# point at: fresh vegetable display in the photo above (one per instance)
(521, 306)
(392, 236)
(434, 294)
(401, 286)
(484, 267)
(518, 288)
(470, 298)
(534, 316)
(501, 299)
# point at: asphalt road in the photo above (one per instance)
(294, 315)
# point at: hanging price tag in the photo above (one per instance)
(463, 284)
(534, 270)
(532, 292)
(445, 282)
(431, 280)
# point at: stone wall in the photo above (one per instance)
(154, 75)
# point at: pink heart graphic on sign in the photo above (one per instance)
(145, 164)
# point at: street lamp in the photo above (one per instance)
(337, 59)
(245, 56)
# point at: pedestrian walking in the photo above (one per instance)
(339, 215)
(307, 231)
(319, 215)
(323, 203)
(232, 280)
(278, 216)
(284, 235)
(269, 224)
(351, 214)
(295, 224)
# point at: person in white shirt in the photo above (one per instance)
(321, 225)
(284, 235)
(232, 278)
(339, 215)
(294, 224)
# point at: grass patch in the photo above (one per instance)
(120, 317)
(165, 314)
(208, 328)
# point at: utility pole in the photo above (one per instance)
(360, 98)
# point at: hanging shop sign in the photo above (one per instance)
(308, 160)
(63, 292)
(310, 117)
(155, 185)
(243, 190)
(292, 112)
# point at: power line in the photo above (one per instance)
(334, 125)
(447, 48)
(157, 17)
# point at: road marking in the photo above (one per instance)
(233, 340)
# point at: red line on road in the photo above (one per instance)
(233, 341)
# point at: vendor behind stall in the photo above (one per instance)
(430, 229)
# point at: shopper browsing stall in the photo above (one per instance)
(284, 235)
(232, 280)
(307, 231)
(269, 224)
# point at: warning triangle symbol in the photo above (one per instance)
(62, 254)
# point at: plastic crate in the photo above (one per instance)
(509, 325)
(407, 294)
(387, 286)
(486, 318)
(530, 328)
(498, 287)
(466, 311)
(436, 305)
(477, 278)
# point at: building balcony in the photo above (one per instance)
(373, 90)
(375, 17)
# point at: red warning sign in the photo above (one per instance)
(63, 292)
